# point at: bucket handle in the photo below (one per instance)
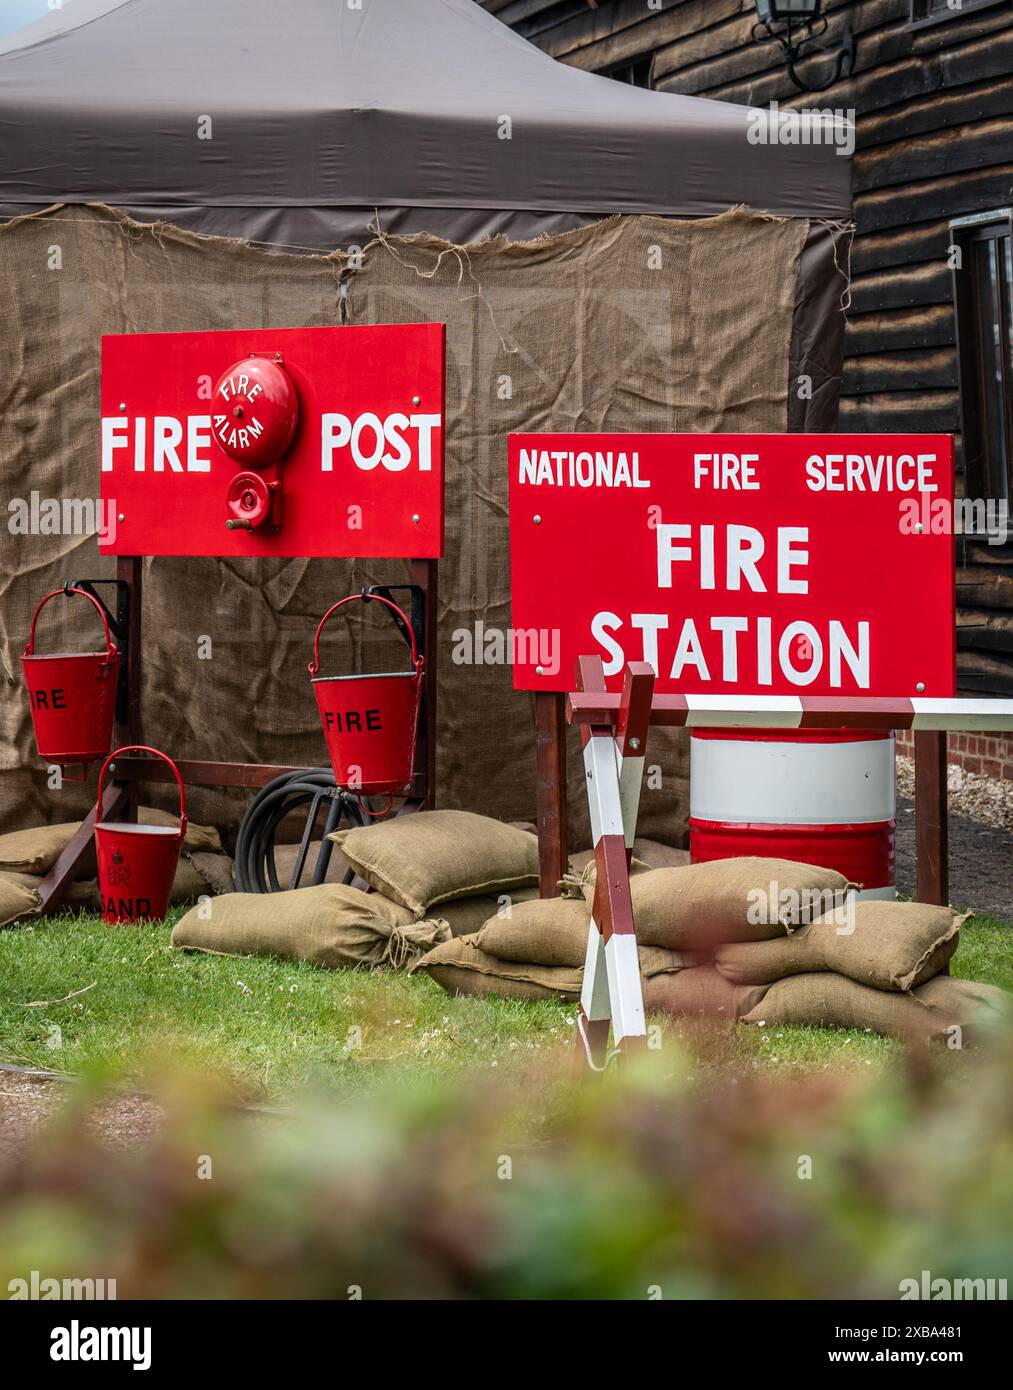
(110, 644)
(314, 665)
(143, 748)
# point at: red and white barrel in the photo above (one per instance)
(820, 797)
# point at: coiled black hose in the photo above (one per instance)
(255, 869)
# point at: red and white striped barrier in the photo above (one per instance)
(614, 731)
(614, 770)
(803, 712)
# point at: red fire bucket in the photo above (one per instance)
(371, 721)
(137, 863)
(72, 696)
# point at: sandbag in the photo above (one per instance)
(83, 892)
(216, 870)
(17, 903)
(198, 837)
(188, 883)
(285, 857)
(553, 931)
(978, 1008)
(330, 925)
(582, 862)
(429, 857)
(700, 992)
(931, 1011)
(466, 916)
(888, 945)
(460, 967)
(658, 856)
(546, 931)
(658, 960)
(35, 851)
(698, 907)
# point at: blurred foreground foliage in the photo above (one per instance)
(659, 1178)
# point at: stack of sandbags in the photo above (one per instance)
(444, 859)
(699, 907)
(878, 966)
(682, 913)
(535, 950)
(883, 945)
(944, 1009)
(26, 856)
(330, 925)
(427, 870)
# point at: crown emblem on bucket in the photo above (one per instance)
(370, 721)
(72, 696)
(136, 863)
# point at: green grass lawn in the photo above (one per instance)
(79, 997)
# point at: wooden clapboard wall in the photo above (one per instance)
(934, 108)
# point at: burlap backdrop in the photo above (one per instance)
(629, 324)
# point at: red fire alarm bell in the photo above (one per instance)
(254, 414)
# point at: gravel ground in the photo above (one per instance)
(981, 839)
(123, 1121)
(27, 1102)
(971, 794)
(981, 862)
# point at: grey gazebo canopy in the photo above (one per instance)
(320, 114)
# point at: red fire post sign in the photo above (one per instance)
(735, 564)
(294, 441)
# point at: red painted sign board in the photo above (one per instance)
(362, 476)
(767, 564)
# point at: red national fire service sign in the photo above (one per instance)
(735, 564)
(293, 441)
